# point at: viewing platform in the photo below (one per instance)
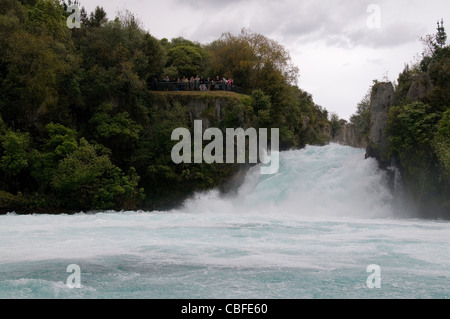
(202, 93)
(196, 87)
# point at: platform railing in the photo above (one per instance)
(196, 86)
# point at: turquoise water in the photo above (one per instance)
(309, 231)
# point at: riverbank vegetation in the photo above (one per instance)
(418, 130)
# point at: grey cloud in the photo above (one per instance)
(391, 35)
(211, 4)
(346, 26)
(335, 23)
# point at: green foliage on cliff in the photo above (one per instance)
(361, 119)
(412, 134)
(419, 134)
(80, 129)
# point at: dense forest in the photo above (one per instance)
(80, 128)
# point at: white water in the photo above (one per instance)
(309, 231)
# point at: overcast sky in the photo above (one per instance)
(340, 46)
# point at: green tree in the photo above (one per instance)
(441, 36)
(361, 119)
(188, 60)
(36, 64)
(60, 143)
(15, 153)
(252, 60)
(120, 125)
(411, 131)
(48, 17)
(85, 180)
(232, 56)
(441, 143)
(335, 124)
(117, 131)
(97, 18)
(260, 101)
(433, 47)
(154, 58)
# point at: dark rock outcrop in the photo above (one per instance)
(420, 87)
(382, 99)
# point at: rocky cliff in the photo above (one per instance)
(349, 135)
(382, 99)
(421, 85)
(208, 107)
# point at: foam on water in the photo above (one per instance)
(309, 231)
(332, 181)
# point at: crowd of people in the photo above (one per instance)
(193, 84)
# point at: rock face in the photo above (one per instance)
(382, 100)
(421, 85)
(200, 109)
(209, 108)
(326, 130)
(348, 135)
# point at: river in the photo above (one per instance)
(310, 231)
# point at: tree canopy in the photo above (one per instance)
(251, 59)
